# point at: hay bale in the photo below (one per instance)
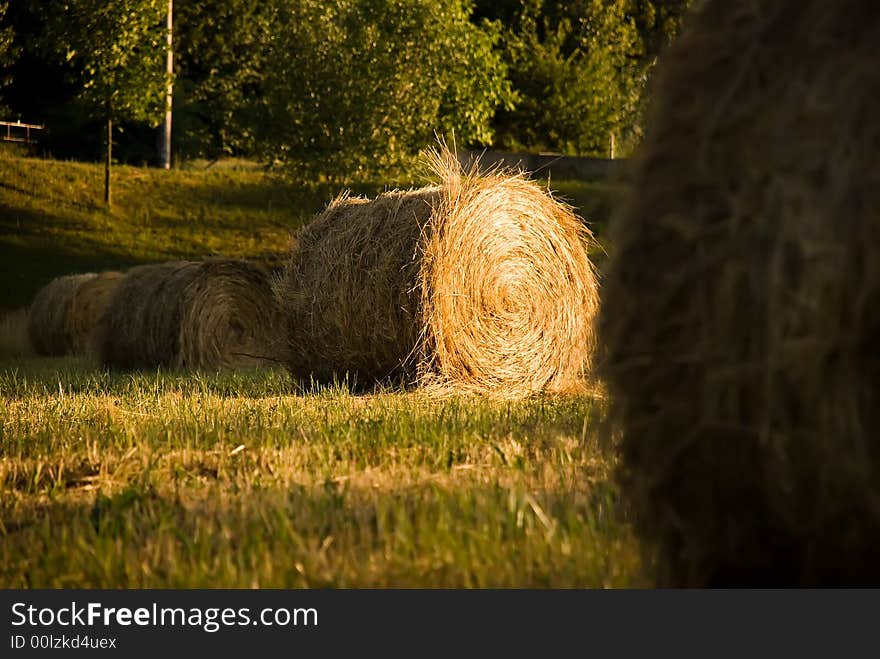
(13, 332)
(185, 314)
(230, 318)
(741, 306)
(47, 316)
(87, 305)
(140, 328)
(480, 284)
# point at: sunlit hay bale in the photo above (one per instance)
(481, 284)
(87, 305)
(140, 329)
(47, 316)
(740, 321)
(230, 318)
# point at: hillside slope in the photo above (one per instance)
(53, 220)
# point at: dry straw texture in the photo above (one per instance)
(141, 327)
(741, 307)
(229, 317)
(479, 284)
(183, 314)
(47, 318)
(87, 305)
(13, 332)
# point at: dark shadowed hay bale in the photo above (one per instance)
(480, 284)
(87, 305)
(209, 315)
(47, 316)
(13, 332)
(141, 327)
(230, 318)
(741, 309)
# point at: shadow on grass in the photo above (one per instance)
(33, 252)
(460, 534)
(24, 269)
(24, 375)
(271, 194)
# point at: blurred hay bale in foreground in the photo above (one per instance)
(741, 308)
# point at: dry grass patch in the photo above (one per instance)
(136, 480)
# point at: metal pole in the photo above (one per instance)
(165, 151)
(109, 161)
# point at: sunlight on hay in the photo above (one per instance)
(229, 319)
(478, 284)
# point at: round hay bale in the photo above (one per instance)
(741, 304)
(47, 317)
(141, 327)
(87, 305)
(480, 284)
(184, 314)
(230, 317)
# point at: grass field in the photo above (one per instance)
(168, 479)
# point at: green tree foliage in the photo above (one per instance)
(577, 79)
(580, 69)
(344, 88)
(8, 52)
(221, 49)
(658, 22)
(360, 86)
(116, 49)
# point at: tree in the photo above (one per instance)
(355, 87)
(8, 51)
(580, 70)
(576, 80)
(222, 48)
(658, 22)
(116, 49)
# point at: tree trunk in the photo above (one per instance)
(108, 161)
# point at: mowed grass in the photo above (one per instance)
(236, 480)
